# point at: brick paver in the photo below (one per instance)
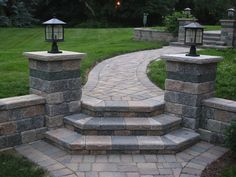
(188, 163)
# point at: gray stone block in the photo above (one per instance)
(54, 98)
(28, 136)
(53, 76)
(23, 125)
(74, 106)
(188, 87)
(57, 109)
(174, 108)
(4, 117)
(38, 122)
(14, 140)
(3, 142)
(191, 112)
(185, 98)
(72, 95)
(54, 86)
(190, 123)
(188, 77)
(40, 133)
(54, 121)
(213, 125)
(205, 135)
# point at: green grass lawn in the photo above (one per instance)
(226, 73)
(229, 171)
(99, 44)
(212, 27)
(14, 165)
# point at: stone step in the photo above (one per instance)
(212, 42)
(212, 34)
(88, 125)
(213, 38)
(76, 143)
(143, 108)
(215, 47)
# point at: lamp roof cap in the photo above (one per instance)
(187, 9)
(54, 21)
(194, 25)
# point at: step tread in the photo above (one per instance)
(214, 38)
(74, 141)
(216, 46)
(221, 43)
(83, 121)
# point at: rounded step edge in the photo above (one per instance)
(75, 143)
(127, 126)
(143, 108)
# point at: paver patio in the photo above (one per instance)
(189, 163)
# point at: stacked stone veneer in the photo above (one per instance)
(146, 34)
(56, 77)
(228, 32)
(21, 120)
(189, 81)
(217, 114)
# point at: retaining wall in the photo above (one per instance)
(217, 114)
(143, 34)
(22, 120)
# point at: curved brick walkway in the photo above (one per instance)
(122, 80)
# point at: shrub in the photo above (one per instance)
(4, 21)
(171, 21)
(231, 137)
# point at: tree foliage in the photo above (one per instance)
(130, 13)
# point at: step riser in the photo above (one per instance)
(212, 38)
(214, 43)
(211, 35)
(126, 132)
(104, 113)
(102, 150)
(106, 152)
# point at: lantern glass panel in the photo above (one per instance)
(190, 36)
(199, 36)
(58, 32)
(49, 32)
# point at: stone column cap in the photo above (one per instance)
(228, 20)
(187, 19)
(203, 59)
(45, 56)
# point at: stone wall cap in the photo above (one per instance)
(203, 59)
(187, 19)
(45, 56)
(227, 20)
(21, 101)
(220, 103)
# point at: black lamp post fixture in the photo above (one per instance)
(187, 11)
(54, 32)
(231, 13)
(193, 37)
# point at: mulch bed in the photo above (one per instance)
(216, 168)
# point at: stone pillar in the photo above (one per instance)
(189, 81)
(182, 23)
(57, 78)
(228, 32)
